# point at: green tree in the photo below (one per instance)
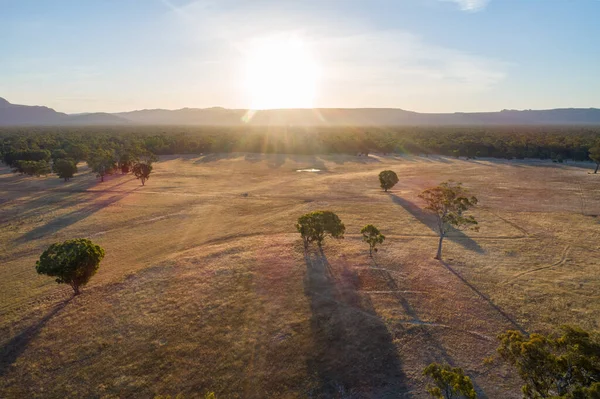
(32, 168)
(72, 262)
(372, 236)
(314, 226)
(388, 179)
(449, 382)
(555, 366)
(595, 156)
(103, 163)
(58, 154)
(64, 168)
(143, 167)
(448, 202)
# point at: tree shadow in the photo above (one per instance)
(11, 350)
(354, 354)
(438, 352)
(487, 299)
(61, 222)
(428, 220)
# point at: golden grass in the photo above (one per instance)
(205, 285)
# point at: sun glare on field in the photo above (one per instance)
(280, 73)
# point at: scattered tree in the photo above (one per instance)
(64, 168)
(449, 382)
(314, 226)
(388, 179)
(448, 202)
(102, 163)
(372, 236)
(72, 262)
(595, 156)
(564, 366)
(143, 167)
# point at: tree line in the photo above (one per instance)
(554, 143)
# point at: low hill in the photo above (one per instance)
(11, 114)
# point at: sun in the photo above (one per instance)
(280, 73)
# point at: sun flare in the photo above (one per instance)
(280, 73)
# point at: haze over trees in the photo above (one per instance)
(595, 156)
(103, 163)
(388, 179)
(552, 143)
(72, 262)
(448, 202)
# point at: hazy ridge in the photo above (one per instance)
(13, 114)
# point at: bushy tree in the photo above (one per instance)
(103, 163)
(31, 168)
(59, 154)
(595, 156)
(72, 262)
(314, 226)
(127, 158)
(555, 366)
(449, 382)
(388, 179)
(64, 168)
(448, 202)
(143, 167)
(372, 236)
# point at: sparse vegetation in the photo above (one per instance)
(232, 303)
(388, 179)
(372, 236)
(449, 382)
(72, 262)
(448, 202)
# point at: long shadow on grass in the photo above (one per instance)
(436, 351)
(354, 353)
(486, 298)
(456, 236)
(70, 218)
(11, 350)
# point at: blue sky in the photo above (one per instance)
(422, 55)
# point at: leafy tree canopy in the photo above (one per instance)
(314, 226)
(388, 179)
(372, 236)
(565, 365)
(449, 382)
(72, 262)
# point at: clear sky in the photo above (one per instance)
(421, 55)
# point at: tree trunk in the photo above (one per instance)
(370, 251)
(75, 289)
(439, 251)
(102, 178)
(597, 165)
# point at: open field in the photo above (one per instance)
(205, 285)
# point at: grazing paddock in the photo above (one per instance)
(205, 284)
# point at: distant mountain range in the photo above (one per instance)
(14, 115)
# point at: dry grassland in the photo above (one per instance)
(205, 285)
